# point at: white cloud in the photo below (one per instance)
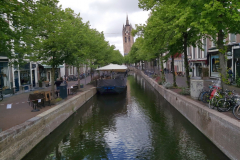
(108, 16)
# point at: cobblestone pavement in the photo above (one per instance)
(20, 110)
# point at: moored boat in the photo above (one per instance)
(115, 82)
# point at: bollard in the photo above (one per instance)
(196, 86)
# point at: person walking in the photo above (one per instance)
(58, 83)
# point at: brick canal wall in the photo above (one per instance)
(222, 130)
(16, 142)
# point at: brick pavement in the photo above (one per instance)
(21, 110)
(181, 82)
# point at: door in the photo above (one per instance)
(238, 68)
(16, 80)
(33, 78)
(48, 76)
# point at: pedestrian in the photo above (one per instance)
(58, 83)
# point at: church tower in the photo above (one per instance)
(128, 39)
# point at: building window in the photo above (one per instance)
(215, 63)
(213, 44)
(205, 47)
(125, 39)
(188, 51)
(25, 75)
(199, 52)
(193, 53)
(232, 38)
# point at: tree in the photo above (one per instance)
(218, 18)
(53, 39)
(15, 33)
(172, 21)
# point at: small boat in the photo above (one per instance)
(114, 82)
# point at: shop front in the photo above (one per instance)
(25, 74)
(45, 72)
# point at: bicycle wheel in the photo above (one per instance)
(223, 105)
(1, 97)
(205, 97)
(236, 111)
(200, 96)
(212, 103)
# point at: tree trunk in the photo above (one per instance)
(222, 58)
(52, 82)
(185, 36)
(78, 77)
(173, 72)
(91, 73)
(162, 69)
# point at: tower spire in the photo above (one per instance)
(127, 22)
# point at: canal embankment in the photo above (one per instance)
(221, 129)
(17, 141)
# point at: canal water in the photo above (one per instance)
(138, 124)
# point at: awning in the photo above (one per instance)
(47, 66)
(113, 67)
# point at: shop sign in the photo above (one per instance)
(229, 53)
(229, 57)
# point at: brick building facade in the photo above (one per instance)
(128, 39)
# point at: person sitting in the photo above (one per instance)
(58, 83)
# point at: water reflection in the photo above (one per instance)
(138, 124)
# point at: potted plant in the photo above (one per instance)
(40, 83)
(190, 72)
(81, 85)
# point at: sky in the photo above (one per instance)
(108, 16)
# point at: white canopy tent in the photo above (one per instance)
(113, 67)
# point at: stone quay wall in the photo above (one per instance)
(17, 141)
(222, 130)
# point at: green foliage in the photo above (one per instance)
(238, 81)
(185, 91)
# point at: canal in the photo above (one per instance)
(138, 124)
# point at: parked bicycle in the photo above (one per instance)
(227, 102)
(236, 108)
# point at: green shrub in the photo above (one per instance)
(238, 81)
(185, 91)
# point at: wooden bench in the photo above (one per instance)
(36, 100)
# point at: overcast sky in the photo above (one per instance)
(108, 16)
